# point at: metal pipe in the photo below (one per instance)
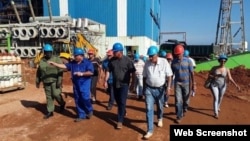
(50, 10)
(8, 42)
(32, 10)
(16, 12)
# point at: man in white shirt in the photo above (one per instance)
(156, 73)
(139, 65)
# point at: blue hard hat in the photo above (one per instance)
(136, 56)
(222, 56)
(163, 53)
(47, 47)
(152, 50)
(78, 51)
(186, 53)
(117, 47)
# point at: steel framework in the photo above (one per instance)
(226, 41)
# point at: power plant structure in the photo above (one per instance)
(30, 24)
(230, 24)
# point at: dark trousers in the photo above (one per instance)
(121, 99)
(111, 94)
(52, 93)
(93, 86)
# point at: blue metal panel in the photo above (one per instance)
(101, 11)
(54, 6)
(152, 10)
(139, 20)
(136, 18)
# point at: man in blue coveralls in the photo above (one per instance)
(81, 71)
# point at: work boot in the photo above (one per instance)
(90, 115)
(48, 115)
(62, 107)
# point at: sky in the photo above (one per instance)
(199, 18)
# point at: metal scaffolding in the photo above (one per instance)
(9, 15)
(227, 42)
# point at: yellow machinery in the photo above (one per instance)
(64, 47)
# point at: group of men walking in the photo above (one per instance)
(154, 79)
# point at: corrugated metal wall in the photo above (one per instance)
(139, 20)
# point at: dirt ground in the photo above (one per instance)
(21, 113)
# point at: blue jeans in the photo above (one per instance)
(121, 95)
(139, 85)
(111, 95)
(218, 93)
(166, 98)
(181, 98)
(153, 95)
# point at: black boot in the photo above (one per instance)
(48, 115)
(62, 107)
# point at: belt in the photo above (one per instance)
(155, 87)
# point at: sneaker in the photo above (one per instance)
(216, 116)
(48, 115)
(79, 119)
(185, 110)
(140, 97)
(109, 108)
(93, 101)
(178, 120)
(89, 115)
(166, 105)
(148, 135)
(160, 123)
(119, 125)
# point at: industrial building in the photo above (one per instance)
(136, 24)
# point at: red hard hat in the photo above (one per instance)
(110, 52)
(179, 49)
(91, 51)
(169, 56)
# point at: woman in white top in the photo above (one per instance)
(219, 74)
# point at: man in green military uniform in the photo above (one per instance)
(52, 80)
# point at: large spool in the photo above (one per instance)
(44, 32)
(23, 32)
(62, 32)
(3, 32)
(32, 52)
(32, 32)
(18, 51)
(52, 32)
(25, 52)
(15, 32)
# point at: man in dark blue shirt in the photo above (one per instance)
(121, 68)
